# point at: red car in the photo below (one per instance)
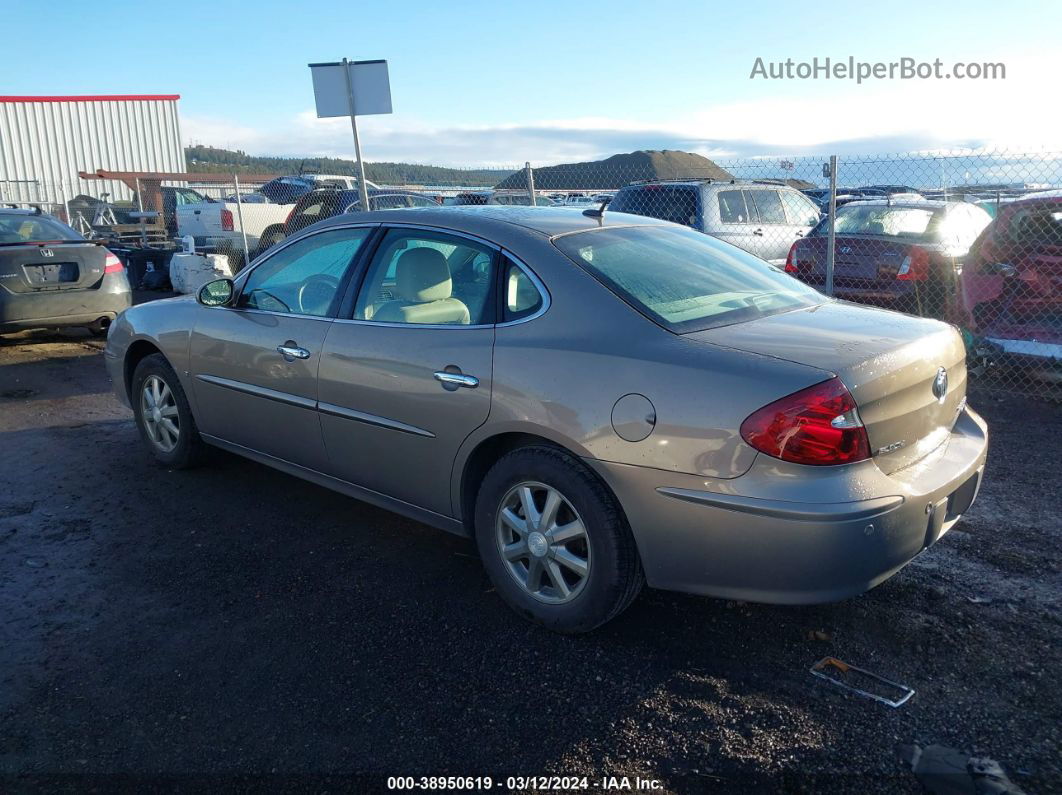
(898, 254)
(1010, 292)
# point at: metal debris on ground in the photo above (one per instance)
(846, 672)
(947, 771)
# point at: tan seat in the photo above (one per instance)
(424, 290)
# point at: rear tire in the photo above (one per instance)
(548, 571)
(164, 416)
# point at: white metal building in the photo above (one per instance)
(46, 141)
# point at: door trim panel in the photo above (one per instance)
(259, 391)
(373, 419)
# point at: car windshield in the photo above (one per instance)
(880, 219)
(15, 229)
(685, 280)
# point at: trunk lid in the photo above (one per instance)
(859, 260)
(44, 267)
(888, 361)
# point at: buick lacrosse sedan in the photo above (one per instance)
(601, 401)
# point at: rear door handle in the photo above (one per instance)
(457, 379)
(290, 351)
(758, 232)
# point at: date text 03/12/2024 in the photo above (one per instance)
(519, 783)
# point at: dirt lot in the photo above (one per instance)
(233, 622)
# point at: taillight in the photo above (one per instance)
(790, 261)
(111, 264)
(818, 425)
(915, 266)
(226, 220)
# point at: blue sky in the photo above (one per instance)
(502, 82)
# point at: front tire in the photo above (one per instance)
(554, 541)
(163, 414)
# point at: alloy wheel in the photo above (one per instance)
(543, 542)
(158, 409)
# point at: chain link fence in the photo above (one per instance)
(972, 238)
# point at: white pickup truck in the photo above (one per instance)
(217, 224)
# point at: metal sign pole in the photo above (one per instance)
(530, 182)
(362, 188)
(243, 226)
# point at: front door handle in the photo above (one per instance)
(758, 232)
(457, 379)
(291, 351)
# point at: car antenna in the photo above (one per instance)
(598, 212)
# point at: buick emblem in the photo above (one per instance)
(47, 252)
(940, 385)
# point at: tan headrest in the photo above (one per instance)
(422, 275)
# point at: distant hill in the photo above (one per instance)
(620, 170)
(218, 161)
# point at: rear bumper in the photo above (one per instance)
(50, 308)
(758, 538)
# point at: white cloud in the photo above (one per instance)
(1017, 113)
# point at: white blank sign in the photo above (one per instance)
(369, 81)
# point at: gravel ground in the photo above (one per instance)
(231, 623)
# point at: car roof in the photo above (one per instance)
(708, 182)
(493, 219)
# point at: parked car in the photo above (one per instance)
(325, 202)
(597, 400)
(901, 255)
(892, 190)
(472, 197)
(518, 198)
(1010, 290)
(761, 218)
(50, 276)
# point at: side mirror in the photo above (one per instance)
(1004, 269)
(219, 292)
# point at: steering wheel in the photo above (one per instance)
(316, 293)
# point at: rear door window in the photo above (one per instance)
(800, 210)
(677, 204)
(1037, 226)
(732, 207)
(768, 206)
(520, 296)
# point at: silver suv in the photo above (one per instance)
(761, 217)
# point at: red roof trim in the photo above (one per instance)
(94, 98)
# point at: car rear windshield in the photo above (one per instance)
(907, 222)
(15, 229)
(682, 279)
(677, 204)
(1037, 226)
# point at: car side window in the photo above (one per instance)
(732, 208)
(768, 206)
(800, 210)
(303, 278)
(428, 278)
(520, 296)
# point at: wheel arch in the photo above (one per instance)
(480, 455)
(137, 351)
